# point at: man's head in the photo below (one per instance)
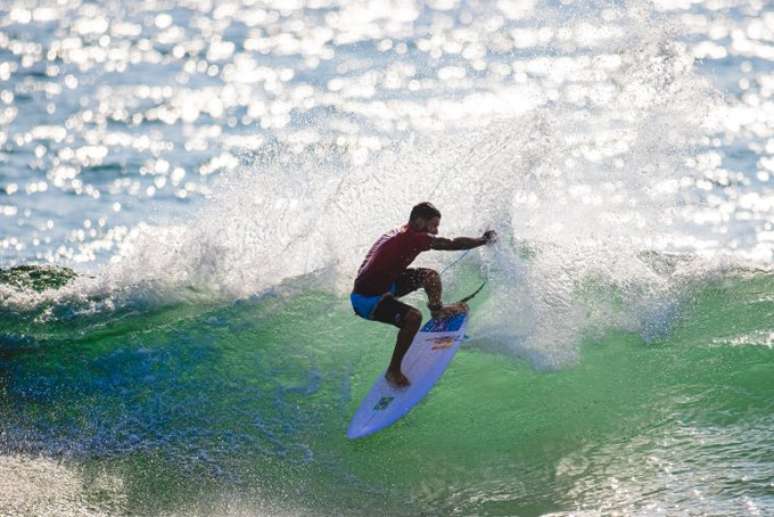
(425, 218)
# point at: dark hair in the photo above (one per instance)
(425, 210)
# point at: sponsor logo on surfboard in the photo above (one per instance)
(383, 403)
(442, 343)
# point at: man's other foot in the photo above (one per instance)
(449, 310)
(397, 379)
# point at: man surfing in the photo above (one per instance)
(385, 276)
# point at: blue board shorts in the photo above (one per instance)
(385, 307)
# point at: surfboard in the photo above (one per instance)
(429, 355)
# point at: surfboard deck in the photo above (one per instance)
(429, 355)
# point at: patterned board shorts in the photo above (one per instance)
(385, 307)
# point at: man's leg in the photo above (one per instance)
(408, 320)
(431, 281)
(409, 328)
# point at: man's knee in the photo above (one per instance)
(412, 319)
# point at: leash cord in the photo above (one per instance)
(474, 293)
(458, 259)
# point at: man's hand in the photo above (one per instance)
(490, 237)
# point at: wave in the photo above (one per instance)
(583, 187)
(256, 392)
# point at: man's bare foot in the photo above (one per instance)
(449, 310)
(397, 379)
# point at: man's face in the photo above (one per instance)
(431, 225)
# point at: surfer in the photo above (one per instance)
(384, 276)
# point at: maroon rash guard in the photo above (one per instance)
(390, 256)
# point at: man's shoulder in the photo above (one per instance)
(419, 240)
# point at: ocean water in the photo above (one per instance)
(187, 189)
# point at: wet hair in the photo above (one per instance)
(425, 210)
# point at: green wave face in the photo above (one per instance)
(242, 408)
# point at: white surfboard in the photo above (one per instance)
(430, 353)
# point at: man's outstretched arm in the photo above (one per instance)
(462, 243)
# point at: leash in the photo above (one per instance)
(474, 293)
(458, 259)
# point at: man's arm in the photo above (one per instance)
(462, 243)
